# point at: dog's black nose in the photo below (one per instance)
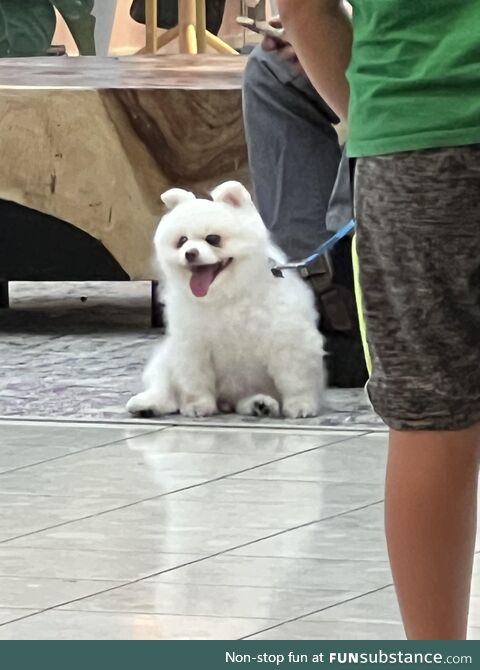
(192, 255)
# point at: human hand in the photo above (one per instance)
(282, 47)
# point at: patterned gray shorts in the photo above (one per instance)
(418, 242)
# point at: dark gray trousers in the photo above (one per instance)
(294, 156)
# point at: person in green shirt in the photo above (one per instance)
(407, 74)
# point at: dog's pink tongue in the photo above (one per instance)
(202, 277)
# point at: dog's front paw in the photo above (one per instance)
(146, 405)
(300, 409)
(259, 405)
(200, 408)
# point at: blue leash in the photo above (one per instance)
(323, 249)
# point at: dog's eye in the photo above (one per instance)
(182, 241)
(214, 240)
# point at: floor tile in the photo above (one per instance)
(476, 570)
(341, 630)
(37, 593)
(213, 517)
(161, 525)
(57, 434)
(23, 514)
(7, 615)
(13, 457)
(474, 618)
(177, 451)
(275, 443)
(361, 460)
(106, 472)
(250, 504)
(157, 463)
(24, 444)
(332, 539)
(273, 498)
(474, 633)
(62, 625)
(299, 535)
(157, 597)
(84, 564)
(282, 573)
(377, 607)
(332, 630)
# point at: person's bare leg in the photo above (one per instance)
(430, 520)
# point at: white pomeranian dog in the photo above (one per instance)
(238, 338)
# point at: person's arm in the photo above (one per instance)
(321, 34)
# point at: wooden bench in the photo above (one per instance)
(88, 145)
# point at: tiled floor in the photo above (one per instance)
(146, 532)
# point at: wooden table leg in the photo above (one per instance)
(191, 30)
(201, 26)
(162, 41)
(151, 26)
(187, 21)
(167, 37)
(219, 45)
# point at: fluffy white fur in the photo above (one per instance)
(251, 343)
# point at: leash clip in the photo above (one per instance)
(319, 262)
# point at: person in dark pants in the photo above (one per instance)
(302, 186)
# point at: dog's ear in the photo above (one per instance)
(232, 193)
(175, 196)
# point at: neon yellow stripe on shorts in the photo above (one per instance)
(358, 297)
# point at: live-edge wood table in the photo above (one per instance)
(88, 144)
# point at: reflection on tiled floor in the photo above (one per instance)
(148, 532)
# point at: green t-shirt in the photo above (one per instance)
(414, 75)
